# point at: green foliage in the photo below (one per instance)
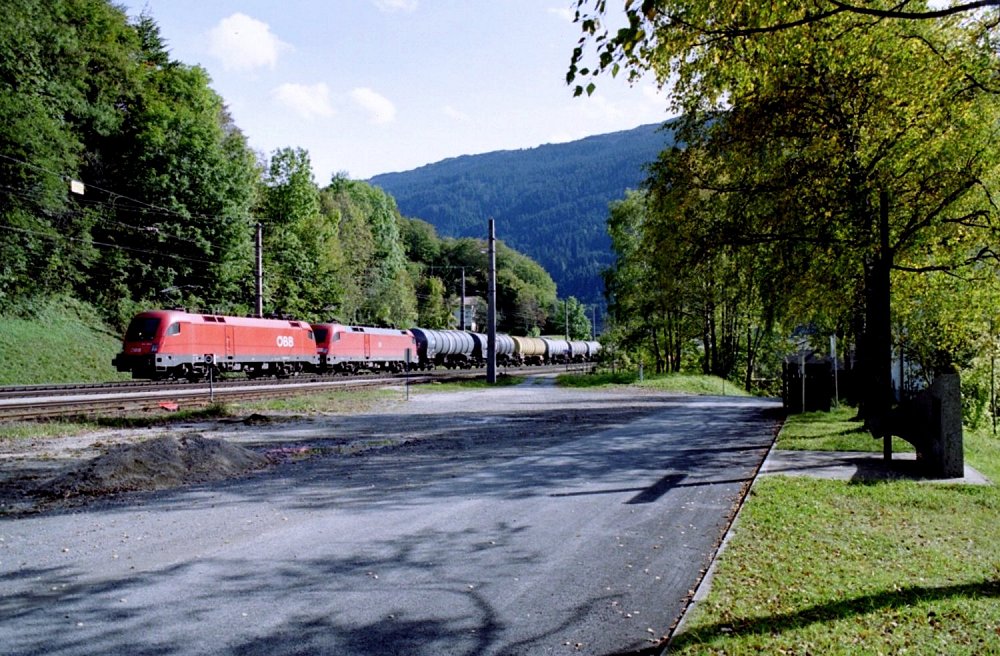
(432, 307)
(569, 317)
(524, 291)
(818, 159)
(88, 96)
(173, 193)
(420, 240)
(378, 288)
(302, 249)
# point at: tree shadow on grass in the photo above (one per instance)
(832, 611)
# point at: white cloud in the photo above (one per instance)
(380, 108)
(243, 43)
(308, 101)
(456, 114)
(389, 6)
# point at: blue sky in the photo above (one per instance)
(374, 86)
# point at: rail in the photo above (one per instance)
(39, 402)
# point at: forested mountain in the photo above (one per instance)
(549, 202)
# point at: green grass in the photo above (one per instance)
(326, 402)
(70, 426)
(329, 402)
(63, 342)
(503, 380)
(685, 383)
(20, 430)
(830, 567)
(832, 431)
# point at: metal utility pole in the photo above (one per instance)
(566, 315)
(462, 308)
(491, 310)
(260, 270)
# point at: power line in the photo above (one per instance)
(102, 244)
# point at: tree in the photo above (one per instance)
(302, 250)
(569, 317)
(854, 149)
(65, 68)
(86, 95)
(378, 287)
(432, 309)
(659, 34)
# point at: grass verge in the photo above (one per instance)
(70, 426)
(331, 402)
(61, 341)
(503, 380)
(683, 383)
(328, 402)
(830, 567)
(836, 430)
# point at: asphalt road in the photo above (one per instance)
(555, 523)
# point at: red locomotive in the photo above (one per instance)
(348, 349)
(175, 344)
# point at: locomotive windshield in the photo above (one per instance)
(142, 329)
(320, 334)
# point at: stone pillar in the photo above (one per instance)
(943, 455)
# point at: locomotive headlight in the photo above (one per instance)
(154, 348)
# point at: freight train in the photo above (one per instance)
(174, 344)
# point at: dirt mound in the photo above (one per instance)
(155, 464)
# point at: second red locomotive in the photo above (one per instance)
(349, 349)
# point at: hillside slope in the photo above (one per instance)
(62, 341)
(549, 202)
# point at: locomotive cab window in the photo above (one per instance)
(142, 329)
(320, 334)
(174, 329)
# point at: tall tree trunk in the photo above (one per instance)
(878, 397)
(751, 354)
(656, 348)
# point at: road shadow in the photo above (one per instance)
(362, 459)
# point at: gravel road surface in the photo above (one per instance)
(519, 520)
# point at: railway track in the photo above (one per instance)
(35, 402)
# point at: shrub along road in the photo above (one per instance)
(520, 520)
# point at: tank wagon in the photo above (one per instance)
(581, 351)
(557, 351)
(449, 348)
(349, 349)
(162, 344)
(529, 350)
(504, 345)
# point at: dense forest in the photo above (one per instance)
(124, 183)
(549, 202)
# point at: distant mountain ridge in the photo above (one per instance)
(549, 202)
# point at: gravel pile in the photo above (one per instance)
(154, 464)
